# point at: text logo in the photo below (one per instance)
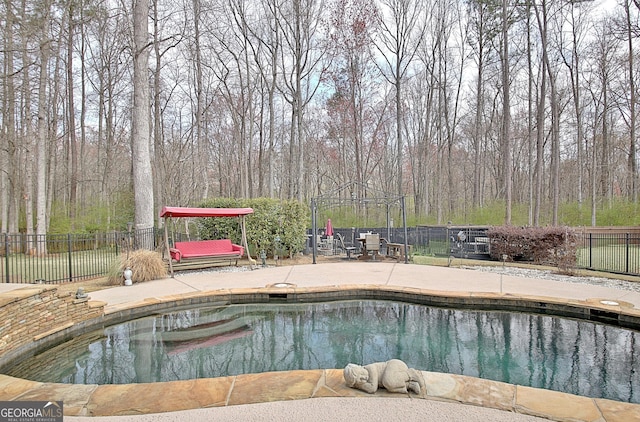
(31, 411)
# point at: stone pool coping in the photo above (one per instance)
(137, 399)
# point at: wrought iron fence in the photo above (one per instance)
(66, 258)
(72, 257)
(610, 252)
(614, 250)
(459, 241)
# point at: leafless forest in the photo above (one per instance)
(453, 103)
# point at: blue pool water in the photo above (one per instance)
(574, 356)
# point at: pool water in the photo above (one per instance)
(574, 356)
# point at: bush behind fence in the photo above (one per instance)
(614, 250)
(73, 257)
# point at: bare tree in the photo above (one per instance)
(26, 144)
(505, 135)
(599, 82)
(266, 53)
(237, 108)
(106, 64)
(353, 81)
(484, 29)
(157, 112)
(632, 166)
(142, 175)
(420, 128)
(543, 22)
(399, 39)
(8, 150)
(302, 54)
(232, 67)
(73, 142)
(573, 62)
(41, 152)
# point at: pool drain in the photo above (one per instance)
(283, 295)
(282, 285)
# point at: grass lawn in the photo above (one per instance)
(461, 262)
(614, 258)
(56, 268)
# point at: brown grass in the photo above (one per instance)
(146, 265)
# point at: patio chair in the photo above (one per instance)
(339, 244)
(373, 244)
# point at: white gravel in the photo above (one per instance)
(507, 270)
(550, 275)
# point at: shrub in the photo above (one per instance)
(543, 245)
(146, 265)
(277, 227)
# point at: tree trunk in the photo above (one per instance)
(41, 148)
(9, 108)
(477, 132)
(631, 162)
(142, 176)
(157, 111)
(27, 146)
(73, 144)
(555, 112)
(506, 115)
(399, 120)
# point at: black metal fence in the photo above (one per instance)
(65, 258)
(73, 257)
(613, 250)
(459, 241)
(610, 252)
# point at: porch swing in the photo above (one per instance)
(198, 254)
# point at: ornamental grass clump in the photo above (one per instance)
(145, 265)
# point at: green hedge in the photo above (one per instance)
(277, 227)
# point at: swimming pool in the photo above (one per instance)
(574, 356)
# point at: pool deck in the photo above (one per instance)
(321, 394)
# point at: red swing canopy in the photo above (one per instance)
(204, 212)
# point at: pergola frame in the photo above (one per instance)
(357, 193)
